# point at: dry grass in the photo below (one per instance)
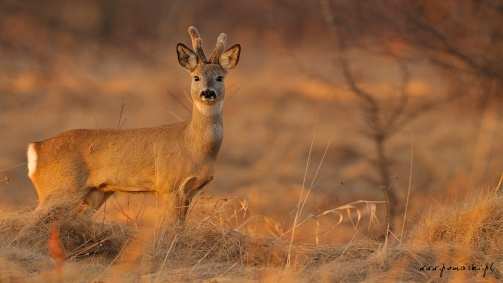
(218, 248)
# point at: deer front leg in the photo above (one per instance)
(186, 192)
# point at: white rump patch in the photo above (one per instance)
(209, 110)
(32, 159)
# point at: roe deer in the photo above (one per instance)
(175, 161)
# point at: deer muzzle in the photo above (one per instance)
(208, 96)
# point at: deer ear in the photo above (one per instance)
(230, 58)
(186, 57)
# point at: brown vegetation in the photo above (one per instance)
(219, 248)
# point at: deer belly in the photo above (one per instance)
(123, 177)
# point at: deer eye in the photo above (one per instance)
(220, 78)
(196, 78)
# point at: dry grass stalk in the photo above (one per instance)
(299, 205)
(304, 195)
(500, 184)
(409, 189)
(211, 247)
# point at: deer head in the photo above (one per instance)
(208, 75)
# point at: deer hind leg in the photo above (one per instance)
(95, 198)
(59, 189)
(58, 182)
(67, 195)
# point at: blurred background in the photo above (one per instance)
(373, 100)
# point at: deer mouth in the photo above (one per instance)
(209, 97)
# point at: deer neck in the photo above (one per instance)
(205, 130)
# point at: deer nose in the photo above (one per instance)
(208, 94)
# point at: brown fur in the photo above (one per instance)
(175, 161)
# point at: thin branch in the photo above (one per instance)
(429, 106)
(450, 49)
(122, 119)
(179, 101)
(404, 96)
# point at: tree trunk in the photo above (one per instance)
(383, 167)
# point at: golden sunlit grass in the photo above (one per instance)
(63, 245)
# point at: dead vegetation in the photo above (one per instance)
(67, 246)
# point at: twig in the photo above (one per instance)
(88, 248)
(121, 119)
(109, 266)
(121, 210)
(227, 270)
(179, 101)
(499, 186)
(315, 178)
(202, 258)
(331, 211)
(404, 96)
(175, 238)
(409, 188)
(299, 203)
(350, 242)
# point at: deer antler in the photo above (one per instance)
(197, 43)
(219, 48)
